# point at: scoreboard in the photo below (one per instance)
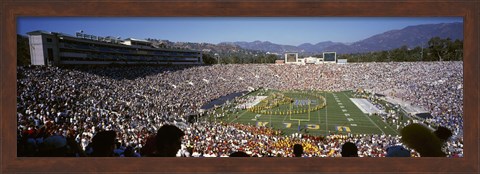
(330, 56)
(291, 57)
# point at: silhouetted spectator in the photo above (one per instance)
(54, 146)
(443, 133)
(397, 151)
(349, 150)
(74, 149)
(129, 152)
(27, 147)
(150, 147)
(422, 140)
(239, 154)
(103, 144)
(298, 150)
(168, 140)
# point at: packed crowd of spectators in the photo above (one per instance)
(135, 101)
(209, 139)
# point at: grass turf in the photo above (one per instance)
(340, 115)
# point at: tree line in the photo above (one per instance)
(23, 50)
(437, 49)
(238, 58)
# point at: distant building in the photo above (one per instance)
(273, 53)
(292, 58)
(311, 60)
(279, 61)
(342, 61)
(51, 48)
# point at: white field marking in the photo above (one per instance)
(353, 124)
(395, 130)
(342, 107)
(350, 119)
(344, 110)
(365, 106)
(347, 115)
(326, 113)
(319, 121)
(340, 103)
(257, 99)
(284, 118)
(239, 116)
(369, 119)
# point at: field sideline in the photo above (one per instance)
(340, 115)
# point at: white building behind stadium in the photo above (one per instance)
(328, 57)
(51, 48)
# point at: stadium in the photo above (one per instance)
(259, 109)
(52, 48)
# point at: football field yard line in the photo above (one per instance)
(365, 126)
(393, 129)
(319, 121)
(284, 118)
(368, 117)
(326, 113)
(239, 116)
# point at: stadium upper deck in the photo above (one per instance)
(51, 48)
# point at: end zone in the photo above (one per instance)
(366, 107)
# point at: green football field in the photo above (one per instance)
(339, 115)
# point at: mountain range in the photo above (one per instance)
(411, 36)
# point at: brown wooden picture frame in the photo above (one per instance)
(10, 10)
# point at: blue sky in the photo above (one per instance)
(280, 30)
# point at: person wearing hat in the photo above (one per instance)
(54, 146)
(397, 151)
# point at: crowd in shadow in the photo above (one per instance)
(167, 142)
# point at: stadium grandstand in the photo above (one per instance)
(51, 48)
(259, 109)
